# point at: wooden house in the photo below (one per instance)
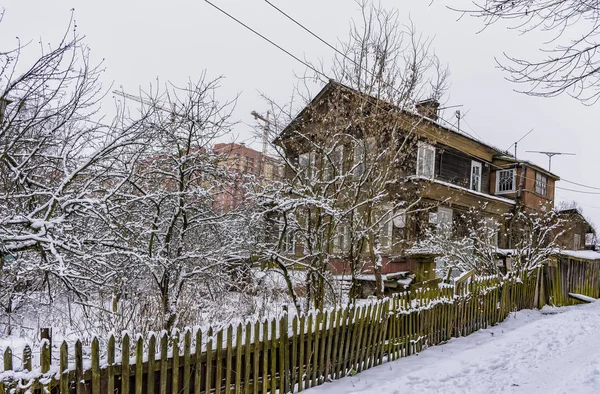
(449, 173)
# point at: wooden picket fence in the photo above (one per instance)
(262, 357)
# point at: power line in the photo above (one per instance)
(576, 191)
(341, 53)
(269, 41)
(580, 184)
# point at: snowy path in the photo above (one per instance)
(528, 353)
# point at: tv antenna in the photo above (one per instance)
(551, 155)
(517, 142)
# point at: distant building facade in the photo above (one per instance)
(243, 161)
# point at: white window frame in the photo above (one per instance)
(306, 161)
(386, 228)
(359, 153)
(476, 165)
(444, 212)
(341, 232)
(576, 241)
(514, 181)
(541, 184)
(422, 151)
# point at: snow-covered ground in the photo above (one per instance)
(553, 351)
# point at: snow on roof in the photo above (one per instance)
(448, 184)
(581, 254)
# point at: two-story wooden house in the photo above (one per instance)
(442, 174)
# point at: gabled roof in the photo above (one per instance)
(575, 212)
(332, 85)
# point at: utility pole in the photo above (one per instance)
(265, 141)
(551, 155)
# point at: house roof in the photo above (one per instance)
(332, 85)
(576, 212)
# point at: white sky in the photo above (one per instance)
(176, 40)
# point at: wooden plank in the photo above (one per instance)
(187, 361)
(265, 356)
(247, 337)
(286, 352)
(365, 337)
(139, 365)
(308, 351)
(330, 328)
(209, 360)
(281, 345)
(273, 352)
(175, 362)
(349, 328)
(150, 378)
(229, 359)
(198, 363)
(315, 351)
(95, 366)
(353, 323)
(238, 359)
(335, 360)
(110, 369)
(125, 351)
(301, 350)
(256, 358)
(322, 343)
(27, 365)
(164, 360)
(45, 356)
(80, 388)
(219, 362)
(64, 368)
(294, 355)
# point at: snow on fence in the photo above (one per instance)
(263, 357)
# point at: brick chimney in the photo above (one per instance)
(428, 108)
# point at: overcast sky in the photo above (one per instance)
(175, 40)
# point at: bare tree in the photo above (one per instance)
(569, 60)
(57, 166)
(342, 191)
(169, 227)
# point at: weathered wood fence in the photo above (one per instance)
(564, 275)
(283, 355)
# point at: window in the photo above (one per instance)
(334, 162)
(341, 239)
(444, 221)
(426, 160)
(386, 229)
(306, 161)
(541, 184)
(359, 165)
(476, 176)
(505, 181)
(576, 242)
(400, 219)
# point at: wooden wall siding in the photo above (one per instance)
(277, 355)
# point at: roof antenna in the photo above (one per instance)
(517, 142)
(550, 155)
